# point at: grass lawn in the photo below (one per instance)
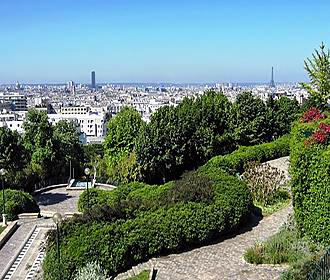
(1, 229)
(144, 275)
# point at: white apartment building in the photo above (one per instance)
(92, 125)
(13, 121)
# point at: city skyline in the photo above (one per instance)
(148, 42)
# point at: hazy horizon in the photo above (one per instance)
(152, 42)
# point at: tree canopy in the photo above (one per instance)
(318, 70)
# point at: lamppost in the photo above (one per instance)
(2, 174)
(57, 218)
(87, 172)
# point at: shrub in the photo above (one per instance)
(264, 182)
(92, 271)
(121, 243)
(194, 187)
(99, 198)
(18, 202)
(234, 162)
(286, 246)
(310, 176)
(313, 114)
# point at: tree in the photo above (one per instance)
(183, 137)
(119, 143)
(39, 143)
(318, 70)
(67, 145)
(12, 152)
(249, 120)
(281, 113)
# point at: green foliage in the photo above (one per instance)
(310, 176)
(234, 163)
(119, 145)
(318, 70)
(183, 137)
(12, 152)
(281, 113)
(264, 182)
(18, 202)
(144, 275)
(249, 120)
(91, 271)
(194, 187)
(38, 142)
(302, 268)
(286, 246)
(151, 226)
(67, 144)
(126, 170)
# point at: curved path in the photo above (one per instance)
(220, 261)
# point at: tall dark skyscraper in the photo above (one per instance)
(93, 80)
(272, 83)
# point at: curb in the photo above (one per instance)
(8, 232)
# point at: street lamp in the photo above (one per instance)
(57, 218)
(2, 173)
(87, 172)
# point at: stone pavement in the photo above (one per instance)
(58, 200)
(221, 261)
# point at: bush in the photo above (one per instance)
(121, 243)
(310, 173)
(234, 162)
(264, 182)
(18, 202)
(194, 187)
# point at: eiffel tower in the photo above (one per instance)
(272, 83)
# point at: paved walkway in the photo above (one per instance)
(222, 261)
(12, 247)
(58, 200)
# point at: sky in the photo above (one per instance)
(54, 41)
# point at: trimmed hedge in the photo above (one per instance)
(18, 202)
(138, 221)
(122, 243)
(310, 176)
(234, 163)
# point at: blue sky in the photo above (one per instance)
(159, 41)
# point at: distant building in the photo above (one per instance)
(93, 85)
(18, 102)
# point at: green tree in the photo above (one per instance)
(120, 141)
(39, 143)
(12, 152)
(67, 145)
(183, 137)
(281, 113)
(249, 120)
(318, 70)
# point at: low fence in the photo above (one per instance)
(322, 270)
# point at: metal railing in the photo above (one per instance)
(322, 270)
